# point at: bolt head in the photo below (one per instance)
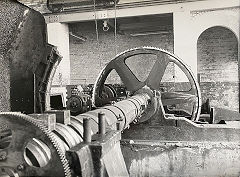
(3, 155)
(20, 167)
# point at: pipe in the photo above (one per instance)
(87, 138)
(101, 124)
(127, 110)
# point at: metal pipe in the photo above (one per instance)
(101, 123)
(212, 114)
(128, 110)
(87, 138)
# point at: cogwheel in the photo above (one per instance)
(154, 78)
(27, 131)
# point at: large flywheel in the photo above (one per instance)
(187, 101)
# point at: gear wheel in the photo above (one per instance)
(190, 98)
(29, 134)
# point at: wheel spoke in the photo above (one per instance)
(154, 78)
(128, 78)
(157, 72)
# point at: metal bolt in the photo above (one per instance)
(20, 167)
(87, 138)
(3, 155)
(101, 124)
(119, 118)
(118, 125)
(143, 107)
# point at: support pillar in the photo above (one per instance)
(58, 35)
(185, 43)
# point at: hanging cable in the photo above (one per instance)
(174, 77)
(95, 16)
(115, 26)
(96, 27)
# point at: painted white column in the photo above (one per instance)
(185, 43)
(58, 35)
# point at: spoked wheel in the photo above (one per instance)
(190, 97)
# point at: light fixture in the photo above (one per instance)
(105, 25)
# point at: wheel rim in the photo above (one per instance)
(154, 78)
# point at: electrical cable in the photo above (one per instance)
(96, 27)
(95, 16)
(115, 27)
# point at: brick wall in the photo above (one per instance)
(218, 67)
(88, 58)
(217, 59)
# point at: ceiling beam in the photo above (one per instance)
(71, 17)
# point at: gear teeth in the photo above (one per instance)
(129, 50)
(142, 48)
(48, 133)
(155, 48)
